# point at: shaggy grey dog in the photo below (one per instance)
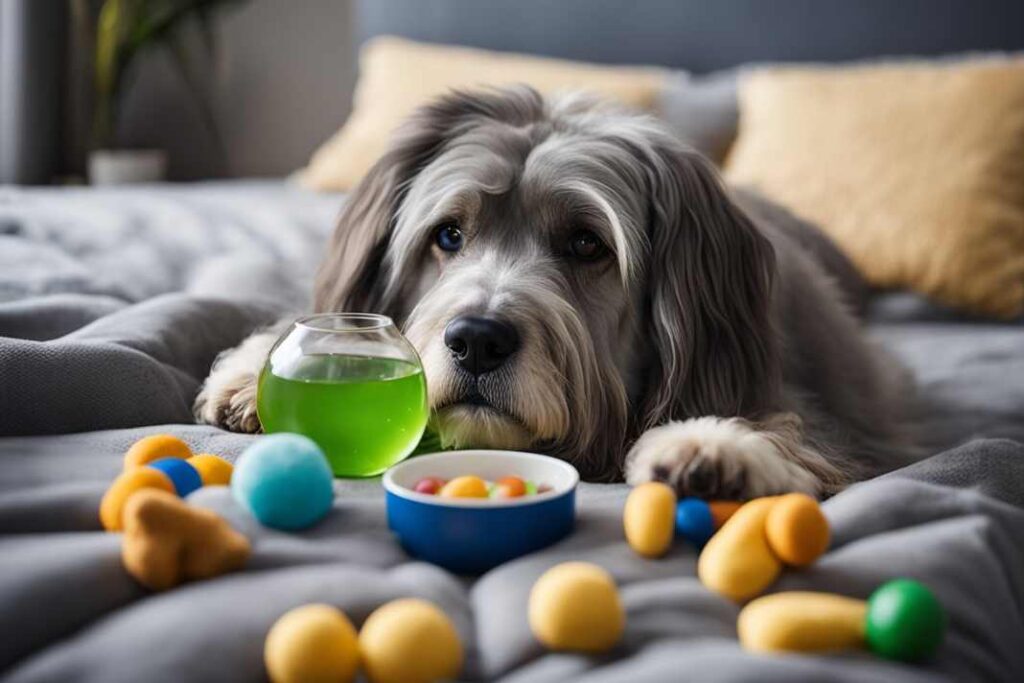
(578, 282)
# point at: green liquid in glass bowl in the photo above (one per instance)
(325, 379)
(365, 413)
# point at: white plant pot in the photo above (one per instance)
(126, 166)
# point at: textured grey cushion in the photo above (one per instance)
(139, 365)
(69, 612)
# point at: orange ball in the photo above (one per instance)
(722, 510)
(150, 448)
(124, 486)
(214, 470)
(797, 530)
(510, 487)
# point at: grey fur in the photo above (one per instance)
(713, 303)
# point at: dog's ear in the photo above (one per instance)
(709, 278)
(351, 275)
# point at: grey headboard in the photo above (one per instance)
(704, 35)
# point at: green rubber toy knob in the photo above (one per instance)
(905, 621)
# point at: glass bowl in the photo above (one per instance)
(352, 383)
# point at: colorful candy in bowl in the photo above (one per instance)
(485, 519)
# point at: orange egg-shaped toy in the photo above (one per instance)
(722, 510)
(212, 469)
(797, 530)
(649, 518)
(155, 447)
(124, 486)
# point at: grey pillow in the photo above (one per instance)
(702, 110)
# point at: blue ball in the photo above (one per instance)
(185, 478)
(694, 521)
(284, 481)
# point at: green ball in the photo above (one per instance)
(905, 621)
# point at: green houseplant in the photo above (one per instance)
(125, 30)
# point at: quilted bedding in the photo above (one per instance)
(114, 303)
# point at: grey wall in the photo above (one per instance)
(31, 82)
(289, 65)
(285, 84)
(704, 35)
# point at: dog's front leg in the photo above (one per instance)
(228, 396)
(733, 458)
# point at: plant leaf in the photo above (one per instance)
(109, 27)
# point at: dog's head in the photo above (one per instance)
(569, 273)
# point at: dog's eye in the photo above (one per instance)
(448, 237)
(586, 246)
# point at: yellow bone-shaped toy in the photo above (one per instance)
(167, 541)
(901, 620)
(737, 562)
(802, 622)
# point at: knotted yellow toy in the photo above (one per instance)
(167, 541)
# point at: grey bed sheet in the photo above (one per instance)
(113, 306)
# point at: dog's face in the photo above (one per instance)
(524, 247)
(518, 277)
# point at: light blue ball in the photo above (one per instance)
(284, 481)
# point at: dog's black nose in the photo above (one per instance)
(480, 344)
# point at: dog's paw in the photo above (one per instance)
(228, 396)
(712, 457)
(229, 403)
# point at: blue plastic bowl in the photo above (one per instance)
(472, 535)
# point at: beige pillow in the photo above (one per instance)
(398, 75)
(915, 169)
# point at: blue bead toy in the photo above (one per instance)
(184, 477)
(694, 521)
(284, 481)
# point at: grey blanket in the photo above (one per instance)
(93, 357)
